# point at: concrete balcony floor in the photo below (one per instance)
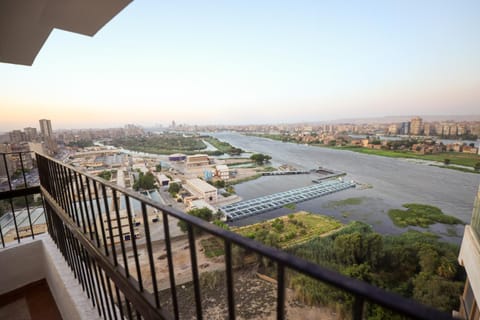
(31, 302)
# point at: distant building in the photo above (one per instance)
(16, 136)
(223, 172)
(416, 126)
(163, 180)
(201, 190)
(177, 157)
(47, 135)
(469, 258)
(428, 129)
(405, 128)
(393, 128)
(31, 134)
(117, 225)
(198, 160)
(46, 128)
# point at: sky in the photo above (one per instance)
(248, 62)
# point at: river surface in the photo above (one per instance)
(393, 182)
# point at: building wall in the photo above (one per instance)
(202, 190)
(469, 258)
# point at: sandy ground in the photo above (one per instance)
(255, 297)
(182, 262)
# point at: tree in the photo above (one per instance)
(446, 161)
(144, 181)
(260, 158)
(158, 167)
(219, 184)
(174, 188)
(105, 174)
(202, 213)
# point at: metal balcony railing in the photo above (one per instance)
(21, 215)
(104, 231)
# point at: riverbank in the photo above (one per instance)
(456, 158)
(466, 162)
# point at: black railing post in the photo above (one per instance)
(195, 275)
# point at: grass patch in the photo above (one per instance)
(460, 158)
(345, 202)
(420, 215)
(254, 177)
(290, 230)
(213, 247)
(290, 206)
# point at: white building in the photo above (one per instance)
(201, 189)
(198, 160)
(223, 172)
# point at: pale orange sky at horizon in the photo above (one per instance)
(301, 62)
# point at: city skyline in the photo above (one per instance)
(251, 64)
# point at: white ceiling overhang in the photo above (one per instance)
(26, 24)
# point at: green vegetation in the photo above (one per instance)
(459, 158)
(213, 247)
(291, 206)
(81, 144)
(288, 231)
(174, 188)
(413, 264)
(105, 174)
(204, 214)
(420, 215)
(260, 158)
(279, 137)
(162, 144)
(266, 169)
(158, 167)
(219, 184)
(223, 147)
(345, 202)
(237, 181)
(144, 181)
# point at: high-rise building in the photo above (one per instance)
(31, 134)
(428, 129)
(416, 126)
(47, 135)
(393, 128)
(46, 128)
(16, 136)
(405, 128)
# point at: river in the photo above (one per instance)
(394, 182)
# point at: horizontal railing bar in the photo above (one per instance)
(371, 293)
(9, 194)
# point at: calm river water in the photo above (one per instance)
(394, 182)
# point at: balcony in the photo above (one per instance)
(107, 252)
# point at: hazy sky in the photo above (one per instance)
(212, 62)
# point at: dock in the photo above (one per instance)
(259, 205)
